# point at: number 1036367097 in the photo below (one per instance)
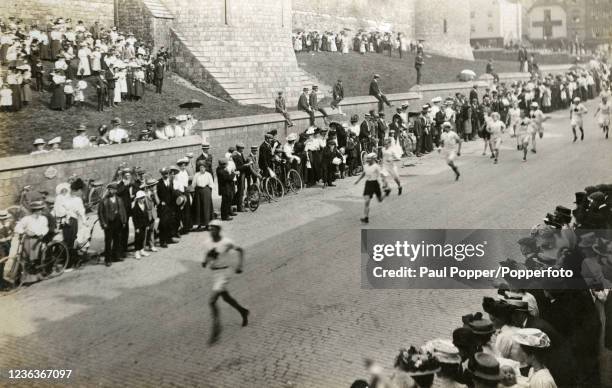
(39, 374)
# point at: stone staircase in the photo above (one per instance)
(248, 65)
(158, 9)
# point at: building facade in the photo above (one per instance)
(495, 23)
(558, 22)
(598, 22)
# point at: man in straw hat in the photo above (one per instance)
(39, 145)
(449, 139)
(485, 372)
(304, 105)
(33, 229)
(206, 157)
(216, 257)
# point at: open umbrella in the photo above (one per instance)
(191, 104)
(466, 75)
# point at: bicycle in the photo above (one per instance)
(291, 180)
(52, 261)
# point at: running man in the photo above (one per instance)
(372, 173)
(577, 112)
(513, 121)
(605, 111)
(486, 132)
(496, 129)
(216, 258)
(389, 165)
(525, 132)
(449, 139)
(537, 121)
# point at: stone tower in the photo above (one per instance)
(239, 49)
(444, 26)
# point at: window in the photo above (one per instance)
(445, 26)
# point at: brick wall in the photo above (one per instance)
(334, 15)
(37, 11)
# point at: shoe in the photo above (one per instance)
(233, 214)
(137, 256)
(173, 241)
(399, 190)
(457, 175)
(387, 192)
(144, 254)
(214, 336)
(365, 220)
(108, 263)
(495, 161)
(484, 154)
(245, 317)
(153, 249)
(518, 147)
(524, 159)
(227, 219)
(331, 185)
(533, 150)
(492, 157)
(163, 245)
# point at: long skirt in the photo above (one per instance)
(56, 46)
(3, 50)
(202, 206)
(139, 87)
(44, 52)
(17, 96)
(27, 93)
(58, 98)
(84, 68)
(73, 68)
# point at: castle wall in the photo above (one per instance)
(444, 26)
(334, 15)
(38, 11)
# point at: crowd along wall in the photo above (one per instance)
(41, 11)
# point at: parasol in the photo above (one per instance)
(191, 104)
(466, 75)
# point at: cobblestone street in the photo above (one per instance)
(146, 323)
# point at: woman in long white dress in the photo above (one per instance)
(332, 43)
(84, 53)
(96, 60)
(345, 43)
(119, 85)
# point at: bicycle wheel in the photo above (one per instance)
(252, 199)
(362, 158)
(274, 188)
(294, 181)
(95, 196)
(55, 258)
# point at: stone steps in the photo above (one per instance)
(158, 9)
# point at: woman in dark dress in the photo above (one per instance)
(202, 200)
(58, 98)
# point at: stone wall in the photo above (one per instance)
(444, 26)
(150, 25)
(38, 11)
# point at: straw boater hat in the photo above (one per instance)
(39, 141)
(485, 367)
(37, 205)
(140, 194)
(292, 137)
(182, 161)
(3, 215)
(531, 338)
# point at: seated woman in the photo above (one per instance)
(33, 228)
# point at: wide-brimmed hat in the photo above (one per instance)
(150, 182)
(443, 350)
(81, 128)
(371, 155)
(4, 215)
(416, 362)
(182, 161)
(484, 366)
(140, 194)
(446, 124)
(116, 120)
(37, 205)
(292, 137)
(240, 146)
(531, 337)
(64, 186)
(482, 326)
(55, 140)
(39, 141)
(436, 100)
(310, 131)
(174, 168)
(254, 147)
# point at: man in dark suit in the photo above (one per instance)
(112, 217)
(522, 58)
(281, 107)
(337, 94)
(419, 61)
(474, 93)
(313, 100)
(304, 105)
(381, 127)
(101, 91)
(226, 189)
(366, 130)
(127, 192)
(95, 30)
(265, 155)
(111, 79)
(376, 92)
(244, 168)
(159, 73)
(206, 157)
(420, 130)
(165, 209)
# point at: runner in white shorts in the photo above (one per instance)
(513, 121)
(389, 164)
(537, 121)
(449, 139)
(496, 128)
(605, 111)
(577, 112)
(217, 256)
(524, 134)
